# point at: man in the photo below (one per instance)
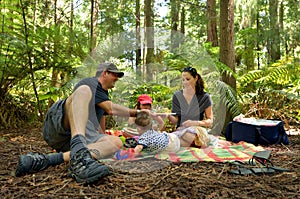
(75, 127)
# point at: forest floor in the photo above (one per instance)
(184, 180)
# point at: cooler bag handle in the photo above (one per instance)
(281, 132)
(260, 136)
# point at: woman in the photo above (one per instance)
(192, 105)
(145, 102)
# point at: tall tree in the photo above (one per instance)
(182, 20)
(93, 27)
(29, 55)
(71, 23)
(138, 53)
(149, 36)
(274, 34)
(175, 7)
(212, 35)
(227, 53)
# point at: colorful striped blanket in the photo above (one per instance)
(224, 151)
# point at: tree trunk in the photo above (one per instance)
(174, 24)
(182, 20)
(138, 60)
(29, 55)
(55, 70)
(212, 35)
(274, 35)
(258, 40)
(71, 22)
(149, 36)
(281, 22)
(71, 16)
(93, 28)
(227, 53)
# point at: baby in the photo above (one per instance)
(151, 140)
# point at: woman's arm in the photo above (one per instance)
(209, 118)
(172, 119)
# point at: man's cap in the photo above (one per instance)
(144, 99)
(109, 67)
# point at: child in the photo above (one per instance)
(144, 102)
(151, 140)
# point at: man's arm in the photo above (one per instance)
(102, 125)
(116, 109)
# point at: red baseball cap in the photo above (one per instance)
(144, 99)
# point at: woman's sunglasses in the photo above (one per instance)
(192, 70)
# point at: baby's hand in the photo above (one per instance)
(138, 148)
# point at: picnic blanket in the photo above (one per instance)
(223, 151)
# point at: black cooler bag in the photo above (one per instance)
(258, 134)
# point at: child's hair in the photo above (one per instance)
(143, 119)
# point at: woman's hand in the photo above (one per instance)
(189, 123)
(172, 119)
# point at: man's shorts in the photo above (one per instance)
(59, 138)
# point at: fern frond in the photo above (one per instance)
(226, 95)
(250, 77)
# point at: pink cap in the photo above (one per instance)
(144, 99)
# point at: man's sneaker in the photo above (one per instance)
(31, 163)
(83, 168)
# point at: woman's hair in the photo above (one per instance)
(199, 83)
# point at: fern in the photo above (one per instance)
(228, 96)
(273, 91)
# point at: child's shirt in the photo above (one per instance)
(154, 141)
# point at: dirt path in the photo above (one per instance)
(185, 180)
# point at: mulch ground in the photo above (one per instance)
(145, 179)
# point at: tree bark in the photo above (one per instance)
(174, 24)
(258, 40)
(227, 53)
(93, 28)
(274, 35)
(138, 60)
(212, 35)
(28, 52)
(182, 21)
(149, 36)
